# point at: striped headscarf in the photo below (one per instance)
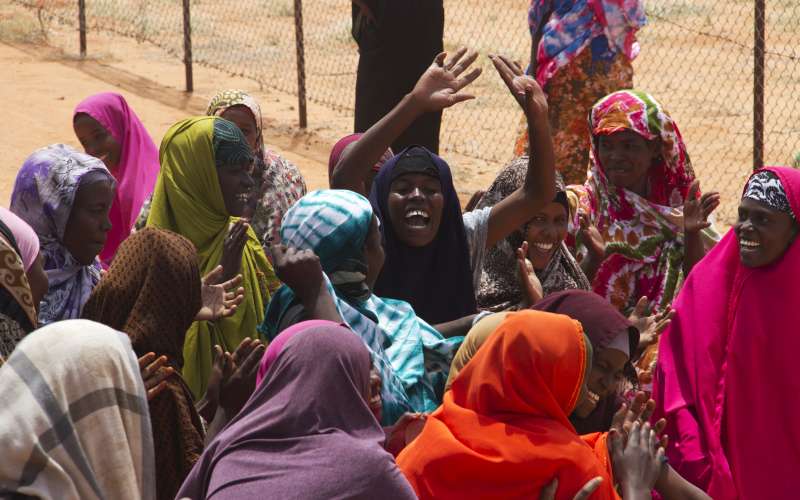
(75, 423)
(406, 349)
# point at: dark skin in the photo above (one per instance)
(235, 182)
(545, 232)
(242, 117)
(606, 374)
(626, 158)
(763, 234)
(415, 206)
(37, 279)
(374, 254)
(88, 223)
(97, 141)
(440, 87)
(584, 397)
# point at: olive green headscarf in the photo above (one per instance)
(188, 200)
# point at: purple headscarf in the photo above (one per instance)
(435, 279)
(43, 196)
(276, 346)
(306, 432)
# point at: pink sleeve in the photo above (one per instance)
(686, 450)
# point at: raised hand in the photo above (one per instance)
(639, 462)
(219, 300)
(591, 238)
(240, 384)
(549, 491)
(527, 276)
(650, 326)
(232, 248)
(524, 88)
(697, 210)
(300, 270)
(441, 85)
(154, 374)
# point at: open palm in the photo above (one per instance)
(441, 85)
(219, 300)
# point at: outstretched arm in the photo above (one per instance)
(438, 88)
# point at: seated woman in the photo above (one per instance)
(434, 255)
(65, 196)
(503, 429)
(341, 229)
(554, 266)
(730, 433)
(108, 129)
(74, 422)
(643, 224)
(27, 242)
(153, 292)
(307, 431)
(17, 302)
(278, 183)
(203, 187)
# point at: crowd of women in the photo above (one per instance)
(188, 322)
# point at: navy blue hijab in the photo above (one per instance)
(436, 279)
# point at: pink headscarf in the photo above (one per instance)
(138, 168)
(276, 346)
(727, 377)
(27, 240)
(338, 149)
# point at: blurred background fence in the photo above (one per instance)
(701, 58)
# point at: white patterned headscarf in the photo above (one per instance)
(74, 422)
(765, 187)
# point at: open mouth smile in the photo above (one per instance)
(417, 218)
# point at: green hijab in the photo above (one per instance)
(188, 200)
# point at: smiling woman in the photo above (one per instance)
(733, 320)
(65, 196)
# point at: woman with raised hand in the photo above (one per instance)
(310, 420)
(434, 254)
(74, 422)
(109, 130)
(729, 432)
(66, 197)
(202, 191)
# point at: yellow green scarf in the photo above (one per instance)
(188, 200)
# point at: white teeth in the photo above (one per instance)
(546, 247)
(749, 244)
(415, 213)
(594, 397)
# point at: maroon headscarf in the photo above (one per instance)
(338, 149)
(601, 322)
(306, 432)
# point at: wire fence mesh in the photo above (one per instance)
(696, 58)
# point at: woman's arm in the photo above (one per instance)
(455, 328)
(539, 187)
(438, 88)
(671, 486)
(301, 271)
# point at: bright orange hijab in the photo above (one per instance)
(503, 429)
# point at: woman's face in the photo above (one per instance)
(236, 182)
(415, 207)
(763, 234)
(545, 232)
(373, 253)
(626, 158)
(243, 118)
(37, 279)
(88, 223)
(97, 141)
(583, 397)
(607, 372)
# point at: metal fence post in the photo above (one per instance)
(187, 46)
(758, 83)
(301, 63)
(82, 26)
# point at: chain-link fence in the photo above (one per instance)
(697, 58)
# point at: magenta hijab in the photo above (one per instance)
(276, 346)
(727, 377)
(27, 240)
(138, 167)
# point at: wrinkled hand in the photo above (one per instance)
(441, 85)
(638, 462)
(697, 210)
(219, 300)
(650, 326)
(524, 88)
(154, 374)
(527, 276)
(232, 248)
(591, 238)
(300, 270)
(549, 491)
(404, 431)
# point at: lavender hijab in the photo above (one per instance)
(43, 196)
(306, 432)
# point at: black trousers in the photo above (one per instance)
(393, 54)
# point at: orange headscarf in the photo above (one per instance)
(503, 429)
